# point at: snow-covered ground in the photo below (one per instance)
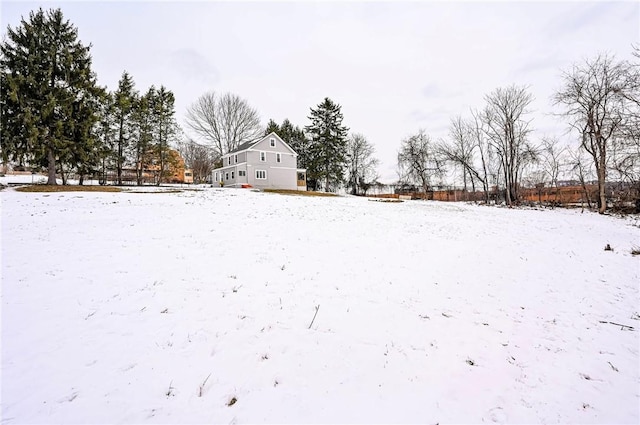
(196, 307)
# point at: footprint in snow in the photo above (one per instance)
(497, 415)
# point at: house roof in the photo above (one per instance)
(248, 145)
(245, 145)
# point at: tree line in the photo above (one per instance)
(493, 147)
(55, 115)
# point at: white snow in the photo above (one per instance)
(116, 307)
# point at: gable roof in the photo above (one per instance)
(248, 145)
(244, 146)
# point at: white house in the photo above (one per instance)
(266, 163)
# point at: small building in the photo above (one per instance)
(188, 176)
(266, 163)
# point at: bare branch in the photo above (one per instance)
(418, 161)
(224, 121)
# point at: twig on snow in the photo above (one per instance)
(202, 385)
(314, 316)
(618, 324)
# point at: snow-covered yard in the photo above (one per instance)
(195, 307)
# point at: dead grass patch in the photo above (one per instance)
(156, 191)
(299, 192)
(43, 188)
(388, 200)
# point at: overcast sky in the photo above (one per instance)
(394, 67)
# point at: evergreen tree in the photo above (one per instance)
(327, 150)
(295, 137)
(165, 127)
(84, 158)
(272, 126)
(143, 122)
(47, 91)
(106, 135)
(124, 103)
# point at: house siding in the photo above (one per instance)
(279, 175)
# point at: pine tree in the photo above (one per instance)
(124, 105)
(295, 137)
(47, 92)
(272, 127)
(165, 127)
(106, 135)
(327, 150)
(87, 146)
(143, 122)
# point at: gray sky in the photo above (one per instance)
(395, 67)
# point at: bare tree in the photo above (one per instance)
(466, 147)
(477, 130)
(199, 158)
(596, 95)
(224, 121)
(552, 159)
(417, 160)
(581, 170)
(361, 164)
(507, 131)
(458, 150)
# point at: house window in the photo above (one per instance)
(301, 176)
(215, 177)
(235, 159)
(263, 156)
(272, 142)
(278, 157)
(229, 161)
(242, 173)
(261, 174)
(233, 175)
(226, 176)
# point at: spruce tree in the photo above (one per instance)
(327, 150)
(295, 137)
(165, 127)
(48, 92)
(85, 155)
(272, 126)
(124, 105)
(143, 122)
(104, 133)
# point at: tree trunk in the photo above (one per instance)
(326, 181)
(507, 187)
(51, 167)
(602, 193)
(120, 142)
(161, 156)
(473, 187)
